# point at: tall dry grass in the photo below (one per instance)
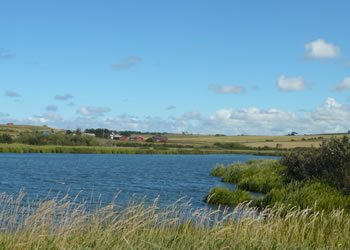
(65, 224)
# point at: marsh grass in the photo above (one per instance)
(255, 175)
(270, 177)
(63, 224)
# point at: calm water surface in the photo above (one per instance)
(102, 176)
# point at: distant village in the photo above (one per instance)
(107, 134)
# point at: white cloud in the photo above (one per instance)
(328, 117)
(291, 83)
(344, 85)
(4, 114)
(253, 121)
(320, 49)
(93, 111)
(126, 63)
(227, 89)
(49, 118)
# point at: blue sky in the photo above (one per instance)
(232, 67)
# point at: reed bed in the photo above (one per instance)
(64, 224)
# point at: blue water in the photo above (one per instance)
(101, 177)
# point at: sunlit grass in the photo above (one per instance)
(63, 224)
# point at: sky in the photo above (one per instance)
(200, 66)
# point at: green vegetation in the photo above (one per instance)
(318, 179)
(57, 139)
(23, 148)
(225, 196)
(63, 224)
(255, 175)
(329, 163)
(100, 132)
(315, 195)
(5, 138)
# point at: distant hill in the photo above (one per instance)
(16, 130)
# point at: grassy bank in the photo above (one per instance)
(268, 177)
(61, 224)
(318, 179)
(24, 148)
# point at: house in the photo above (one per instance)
(10, 124)
(161, 138)
(118, 137)
(136, 138)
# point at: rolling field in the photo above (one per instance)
(196, 141)
(15, 130)
(253, 141)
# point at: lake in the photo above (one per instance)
(100, 177)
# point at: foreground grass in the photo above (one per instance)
(62, 224)
(268, 177)
(24, 148)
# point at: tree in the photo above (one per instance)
(125, 133)
(5, 138)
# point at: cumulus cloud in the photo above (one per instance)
(290, 84)
(51, 108)
(64, 97)
(227, 89)
(49, 118)
(93, 111)
(342, 86)
(5, 54)
(328, 117)
(320, 49)
(126, 63)
(12, 94)
(170, 107)
(253, 121)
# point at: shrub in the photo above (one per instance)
(64, 140)
(231, 145)
(5, 138)
(218, 170)
(329, 163)
(151, 139)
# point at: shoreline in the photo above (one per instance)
(23, 148)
